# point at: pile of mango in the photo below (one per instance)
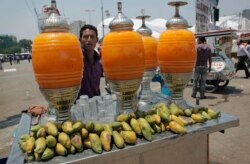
(46, 141)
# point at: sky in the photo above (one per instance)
(18, 18)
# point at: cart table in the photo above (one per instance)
(166, 147)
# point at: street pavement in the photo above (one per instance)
(19, 90)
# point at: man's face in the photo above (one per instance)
(88, 39)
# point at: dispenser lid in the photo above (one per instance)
(121, 22)
(177, 21)
(55, 22)
(144, 30)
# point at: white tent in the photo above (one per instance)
(157, 26)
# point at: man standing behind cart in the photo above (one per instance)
(93, 71)
(201, 69)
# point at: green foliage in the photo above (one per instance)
(25, 43)
(10, 45)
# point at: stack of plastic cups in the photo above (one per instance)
(73, 112)
(83, 104)
(101, 110)
(92, 109)
(109, 108)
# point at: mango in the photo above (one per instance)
(151, 120)
(146, 129)
(156, 128)
(84, 133)
(60, 150)
(35, 128)
(178, 120)
(40, 145)
(135, 125)
(76, 141)
(38, 157)
(177, 128)
(96, 143)
(98, 128)
(108, 128)
(51, 141)
(90, 126)
(129, 137)
(51, 128)
(106, 140)
(77, 126)
(123, 117)
(157, 118)
(174, 109)
(87, 143)
(126, 126)
(118, 140)
(67, 127)
(116, 125)
(64, 139)
(30, 145)
(72, 150)
(48, 154)
(197, 118)
(41, 133)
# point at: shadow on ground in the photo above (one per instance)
(10, 121)
(229, 90)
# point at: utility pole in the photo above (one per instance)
(102, 18)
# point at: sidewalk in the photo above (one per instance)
(19, 90)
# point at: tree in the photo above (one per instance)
(9, 44)
(26, 44)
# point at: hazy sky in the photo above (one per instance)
(18, 18)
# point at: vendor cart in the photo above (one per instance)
(223, 68)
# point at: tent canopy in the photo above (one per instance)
(157, 26)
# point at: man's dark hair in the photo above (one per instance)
(88, 26)
(202, 39)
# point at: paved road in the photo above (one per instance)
(19, 90)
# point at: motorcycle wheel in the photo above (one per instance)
(212, 87)
(223, 84)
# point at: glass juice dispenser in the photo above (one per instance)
(58, 64)
(176, 54)
(150, 44)
(123, 61)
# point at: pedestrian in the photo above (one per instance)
(18, 59)
(93, 70)
(29, 58)
(10, 60)
(202, 67)
(1, 66)
(243, 55)
(248, 50)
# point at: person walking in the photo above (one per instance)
(243, 55)
(29, 58)
(93, 70)
(10, 60)
(202, 67)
